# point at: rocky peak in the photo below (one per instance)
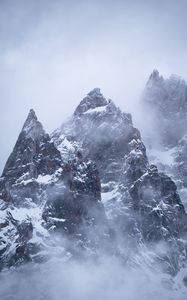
(106, 186)
(155, 76)
(93, 100)
(32, 128)
(154, 86)
(29, 139)
(166, 100)
(31, 116)
(34, 154)
(165, 128)
(96, 126)
(95, 119)
(160, 91)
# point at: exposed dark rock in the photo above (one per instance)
(74, 207)
(162, 214)
(34, 154)
(90, 182)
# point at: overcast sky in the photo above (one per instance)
(54, 52)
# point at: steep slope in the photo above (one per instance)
(166, 128)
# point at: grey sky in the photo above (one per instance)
(53, 52)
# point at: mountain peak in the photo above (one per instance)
(93, 99)
(155, 73)
(31, 116)
(95, 92)
(32, 127)
(32, 113)
(155, 76)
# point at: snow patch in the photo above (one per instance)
(98, 109)
(57, 219)
(44, 179)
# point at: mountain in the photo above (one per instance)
(33, 156)
(165, 131)
(39, 193)
(167, 100)
(89, 189)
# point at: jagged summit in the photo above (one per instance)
(32, 127)
(93, 99)
(31, 116)
(173, 82)
(91, 181)
(155, 77)
(167, 96)
(95, 91)
(33, 153)
(166, 101)
(154, 74)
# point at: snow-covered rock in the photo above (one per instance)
(89, 188)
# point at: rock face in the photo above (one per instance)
(75, 199)
(180, 166)
(155, 197)
(89, 183)
(166, 101)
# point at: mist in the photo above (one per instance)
(104, 279)
(54, 52)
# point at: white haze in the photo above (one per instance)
(54, 52)
(106, 279)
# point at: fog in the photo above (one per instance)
(54, 52)
(106, 279)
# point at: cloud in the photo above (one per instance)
(106, 279)
(54, 52)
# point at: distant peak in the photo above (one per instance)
(155, 77)
(93, 99)
(155, 73)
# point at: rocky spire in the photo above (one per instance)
(33, 146)
(31, 116)
(32, 127)
(155, 78)
(92, 100)
(154, 74)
